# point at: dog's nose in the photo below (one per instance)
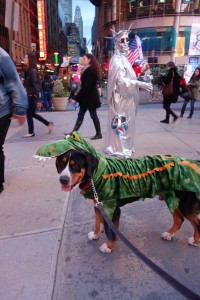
(64, 180)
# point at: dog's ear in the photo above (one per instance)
(91, 162)
(57, 164)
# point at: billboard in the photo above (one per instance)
(42, 29)
(194, 47)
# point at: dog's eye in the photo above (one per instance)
(74, 167)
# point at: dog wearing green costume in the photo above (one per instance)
(121, 181)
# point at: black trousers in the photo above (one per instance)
(166, 105)
(31, 113)
(4, 126)
(93, 115)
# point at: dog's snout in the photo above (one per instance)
(64, 179)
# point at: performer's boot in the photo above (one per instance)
(98, 134)
(76, 126)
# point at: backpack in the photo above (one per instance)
(47, 86)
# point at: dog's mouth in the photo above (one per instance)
(66, 188)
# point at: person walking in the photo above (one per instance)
(75, 87)
(47, 89)
(13, 103)
(193, 84)
(172, 74)
(88, 96)
(32, 86)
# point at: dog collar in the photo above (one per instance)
(84, 187)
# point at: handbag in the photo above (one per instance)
(186, 95)
(168, 88)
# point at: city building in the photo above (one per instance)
(67, 9)
(73, 40)
(4, 37)
(164, 26)
(79, 22)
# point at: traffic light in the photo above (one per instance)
(56, 58)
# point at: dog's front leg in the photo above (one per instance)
(111, 236)
(94, 235)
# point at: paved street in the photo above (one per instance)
(44, 251)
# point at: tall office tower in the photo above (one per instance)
(79, 22)
(67, 8)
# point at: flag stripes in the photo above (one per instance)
(134, 52)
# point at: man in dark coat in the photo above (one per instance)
(168, 100)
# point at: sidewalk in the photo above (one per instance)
(44, 252)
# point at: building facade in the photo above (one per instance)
(79, 22)
(67, 9)
(4, 37)
(164, 26)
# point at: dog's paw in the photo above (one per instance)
(192, 242)
(105, 249)
(167, 236)
(92, 236)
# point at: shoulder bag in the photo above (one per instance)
(168, 88)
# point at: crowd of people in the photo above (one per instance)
(19, 96)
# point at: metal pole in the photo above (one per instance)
(176, 27)
(11, 27)
(119, 14)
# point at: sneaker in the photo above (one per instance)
(189, 117)
(181, 116)
(50, 127)
(165, 121)
(1, 188)
(28, 135)
(97, 136)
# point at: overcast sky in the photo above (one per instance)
(88, 13)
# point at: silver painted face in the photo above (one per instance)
(122, 42)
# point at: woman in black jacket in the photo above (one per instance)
(88, 96)
(32, 86)
(168, 100)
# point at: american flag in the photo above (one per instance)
(135, 50)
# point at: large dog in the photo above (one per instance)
(122, 181)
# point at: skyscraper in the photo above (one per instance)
(67, 8)
(79, 22)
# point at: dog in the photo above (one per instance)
(77, 167)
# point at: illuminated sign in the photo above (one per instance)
(42, 30)
(56, 58)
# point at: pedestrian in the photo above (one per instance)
(193, 84)
(172, 74)
(47, 89)
(33, 88)
(75, 87)
(88, 96)
(13, 103)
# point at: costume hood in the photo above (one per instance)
(74, 141)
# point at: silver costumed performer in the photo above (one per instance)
(123, 99)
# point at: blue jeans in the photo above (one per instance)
(192, 101)
(47, 100)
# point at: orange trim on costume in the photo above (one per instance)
(138, 176)
(191, 165)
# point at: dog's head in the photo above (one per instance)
(74, 167)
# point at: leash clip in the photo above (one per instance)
(96, 197)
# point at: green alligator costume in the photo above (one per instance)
(145, 177)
